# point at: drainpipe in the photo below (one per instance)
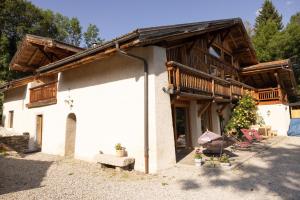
(146, 133)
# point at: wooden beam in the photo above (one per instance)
(23, 68)
(89, 59)
(241, 50)
(233, 41)
(33, 56)
(220, 110)
(223, 37)
(203, 108)
(212, 40)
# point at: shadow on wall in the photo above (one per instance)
(279, 173)
(18, 174)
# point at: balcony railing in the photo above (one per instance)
(43, 94)
(270, 95)
(184, 79)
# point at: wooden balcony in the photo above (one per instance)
(43, 95)
(190, 82)
(270, 96)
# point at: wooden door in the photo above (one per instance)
(39, 130)
(182, 134)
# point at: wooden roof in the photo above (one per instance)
(166, 36)
(270, 74)
(35, 51)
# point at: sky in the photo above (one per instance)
(117, 17)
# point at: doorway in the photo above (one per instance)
(70, 135)
(182, 133)
(39, 131)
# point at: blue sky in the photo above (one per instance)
(115, 18)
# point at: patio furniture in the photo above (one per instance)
(214, 143)
(256, 135)
(246, 134)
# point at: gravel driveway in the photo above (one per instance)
(272, 174)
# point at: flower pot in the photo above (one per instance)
(120, 153)
(198, 162)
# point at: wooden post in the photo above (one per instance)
(178, 80)
(213, 87)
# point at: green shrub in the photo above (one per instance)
(243, 116)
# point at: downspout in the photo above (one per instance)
(146, 133)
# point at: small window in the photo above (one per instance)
(11, 119)
(228, 58)
(215, 51)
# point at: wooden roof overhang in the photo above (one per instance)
(17, 83)
(164, 36)
(270, 74)
(35, 51)
(46, 56)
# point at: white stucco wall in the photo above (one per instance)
(277, 116)
(215, 118)
(108, 104)
(195, 122)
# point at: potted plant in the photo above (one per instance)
(224, 160)
(198, 157)
(120, 151)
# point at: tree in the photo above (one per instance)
(262, 41)
(74, 32)
(243, 116)
(267, 27)
(20, 17)
(91, 36)
(268, 13)
(249, 28)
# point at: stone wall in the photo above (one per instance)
(18, 143)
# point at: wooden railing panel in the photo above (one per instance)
(187, 79)
(268, 94)
(43, 92)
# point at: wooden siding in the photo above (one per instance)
(43, 93)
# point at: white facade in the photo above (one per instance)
(277, 116)
(107, 98)
(108, 101)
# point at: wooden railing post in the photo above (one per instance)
(213, 87)
(178, 81)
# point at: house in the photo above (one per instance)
(154, 90)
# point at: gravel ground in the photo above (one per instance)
(272, 174)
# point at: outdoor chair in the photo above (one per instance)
(246, 134)
(256, 135)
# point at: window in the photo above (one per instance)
(228, 58)
(11, 119)
(215, 51)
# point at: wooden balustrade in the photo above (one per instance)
(190, 80)
(43, 92)
(187, 79)
(270, 94)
